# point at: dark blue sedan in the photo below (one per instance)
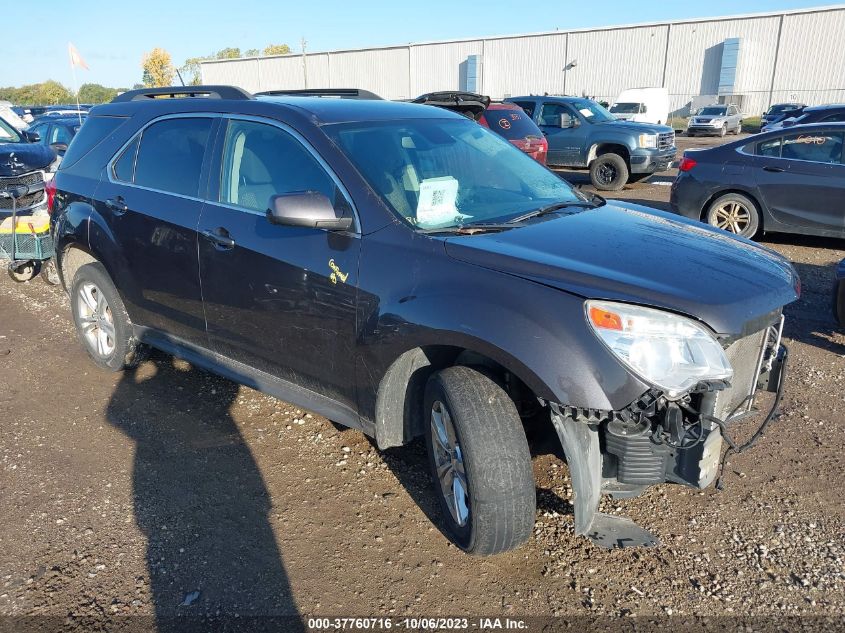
(788, 181)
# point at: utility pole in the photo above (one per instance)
(304, 63)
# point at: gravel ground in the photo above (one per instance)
(169, 492)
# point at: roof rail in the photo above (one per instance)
(338, 93)
(210, 92)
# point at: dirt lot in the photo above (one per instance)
(170, 492)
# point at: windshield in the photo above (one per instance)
(783, 107)
(8, 134)
(713, 111)
(592, 111)
(441, 173)
(625, 108)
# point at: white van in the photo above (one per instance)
(644, 105)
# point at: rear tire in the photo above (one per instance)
(480, 462)
(609, 172)
(735, 213)
(102, 324)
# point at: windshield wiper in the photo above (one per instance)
(470, 229)
(592, 203)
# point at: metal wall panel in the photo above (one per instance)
(383, 71)
(282, 72)
(694, 58)
(521, 65)
(810, 66)
(440, 66)
(612, 60)
(811, 56)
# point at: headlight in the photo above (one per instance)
(51, 170)
(648, 140)
(670, 352)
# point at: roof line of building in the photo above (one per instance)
(743, 16)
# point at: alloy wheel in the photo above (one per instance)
(96, 320)
(731, 216)
(449, 463)
(606, 174)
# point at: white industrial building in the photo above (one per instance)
(753, 60)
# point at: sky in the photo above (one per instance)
(113, 36)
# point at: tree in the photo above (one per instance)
(191, 70)
(95, 93)
(252, 52)
(52, 92)
(228, 53)
(277, 49)
(158, 68)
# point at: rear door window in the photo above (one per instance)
(817, 147)
(770, 148)
(511, 123)
(171, 153)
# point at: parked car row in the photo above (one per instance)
(435, 282)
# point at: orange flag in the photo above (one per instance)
(75, 57)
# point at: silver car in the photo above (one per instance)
(715, 119)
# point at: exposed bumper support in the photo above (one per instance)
(581, 445)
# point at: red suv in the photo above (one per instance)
(505, 119)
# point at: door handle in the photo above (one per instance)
(776, 170)
(117, 205)
(220, 238)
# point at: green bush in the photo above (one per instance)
(751, 124)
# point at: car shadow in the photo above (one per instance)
(199, 498)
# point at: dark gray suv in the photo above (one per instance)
(400, 269)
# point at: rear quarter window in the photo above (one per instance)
(91, 134)
(511, 123)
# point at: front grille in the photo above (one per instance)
(665, 141)
(28, 201)
(744, 356)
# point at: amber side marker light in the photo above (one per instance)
(605, 319)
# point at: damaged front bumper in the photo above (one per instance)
(656, 440)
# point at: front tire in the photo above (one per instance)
(723, 130)
(480, 462)
(609, 172)
(839, 302)
(734, 213)
(102, 324)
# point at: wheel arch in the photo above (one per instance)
(609, 147)
(398, 409)
(761, 213)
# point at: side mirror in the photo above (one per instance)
(32, 137)
(59, 148)
(307, 209)
(566, 121)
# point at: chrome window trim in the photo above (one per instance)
(305, 144)
(140, 135)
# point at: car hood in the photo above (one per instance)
(19, 158)
(634, 127)
(639, 255)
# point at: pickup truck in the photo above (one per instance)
(583, 134)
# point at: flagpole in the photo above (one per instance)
(75, 84)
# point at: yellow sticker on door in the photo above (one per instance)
(336, 273)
